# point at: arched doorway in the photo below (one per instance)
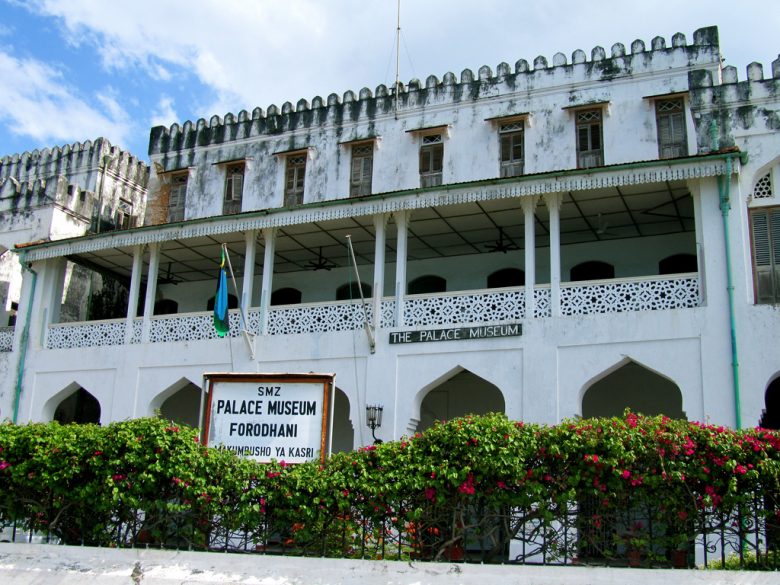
(183, 406)
(770, 418)
(80, 407)
(343, 430)
(462, 394)
(636, 387)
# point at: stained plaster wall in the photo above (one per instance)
(624, 79)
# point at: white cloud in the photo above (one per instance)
(36, 101)
(164, 115)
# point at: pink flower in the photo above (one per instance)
(4, 465)
(467, 487)
(430, 493)
(626, 474)
(632, 419)
(740, 470)
(682, 514)
(118, 477)
(501, 484)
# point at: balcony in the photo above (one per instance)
(478, 307)
(6, 338)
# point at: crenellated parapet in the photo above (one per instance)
(737, 108)
(365, 105)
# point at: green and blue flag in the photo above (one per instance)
(221, 322)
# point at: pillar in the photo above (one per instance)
(553, 202)
(380, 225)
(269, 235)
(529, 204)
(401, 222)
(151, 290)
(132, 295)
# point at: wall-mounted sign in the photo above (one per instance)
(457, 333)
(286, 417)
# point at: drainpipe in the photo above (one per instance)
(23, 342)
(724, 193)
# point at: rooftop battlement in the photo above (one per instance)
(365, 105)
(72, 159)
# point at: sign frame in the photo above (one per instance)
(328, 382)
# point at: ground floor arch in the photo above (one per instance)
(461, 394)
(183, 405)
(343, 427)
(770, 418)
(632, 385)
(77, 406)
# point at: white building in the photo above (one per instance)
(601, 210)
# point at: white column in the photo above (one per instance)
(401, 222)
(135, 288)
(529, 204)
(553, 202)
(268, 275)
(151, 290)
(249, 271)
(47, 301)
(380, 223)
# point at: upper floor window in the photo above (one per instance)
(670, 119)
(234, 188)
(431, 160)
(512, 157)
(362, 169)
(294, 177)
(590, 151)
(178, 197)
(124, 215)
(766, 253)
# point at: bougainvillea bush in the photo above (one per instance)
(629, 489)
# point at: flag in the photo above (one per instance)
(221, 323)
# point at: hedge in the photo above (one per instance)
(473, 483)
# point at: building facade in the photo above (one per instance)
(556, 239)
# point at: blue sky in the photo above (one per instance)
(74, 70)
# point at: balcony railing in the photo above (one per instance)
(6, 338)
(429, 310)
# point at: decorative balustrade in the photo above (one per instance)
(463, 308)
(86, 334)
(493, 306)
(635, 294)
(6, 338)
(318, 317)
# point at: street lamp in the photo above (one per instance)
(374, 420)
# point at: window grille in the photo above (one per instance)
(362, 170)
(590, 151)
(763, 188)
(431, 160)
(295, 175)
(234, 187)
(512, 155)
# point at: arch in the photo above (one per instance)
(76, 405)
(166, 307)
(350, 291)
(157, 402)
(506, 277)
(286, 296)
(630, 384)
(457, 393)
(429, 283)
(232, 302)
(770, 417)
(183, 405)
(343, 427)
(678, 263)
(591, 270)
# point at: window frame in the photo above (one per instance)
(295, 166)
(772, 252)
(594, 128)
(509, 131)
(233, 194)
(360, 183)
(179, 184)
(670, 143)
(431, 157)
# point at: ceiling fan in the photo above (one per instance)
(500, 245)
(602, 227)
(321, 263)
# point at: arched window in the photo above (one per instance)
(232, 303)
(351, 291)
(678, 263)
(166, 307)
(430, 283)
(591, 270)
(506, 277)
(770, 418)
(286, 296)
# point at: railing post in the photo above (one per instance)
(529, 205)
(268, 273)
(151, 290)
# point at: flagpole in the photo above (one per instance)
(368, 327)
(248, 336)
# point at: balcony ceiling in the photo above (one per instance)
(495, 226)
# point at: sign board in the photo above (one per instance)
(457, 333)
(270, 416)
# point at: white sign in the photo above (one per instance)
(263, 417)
